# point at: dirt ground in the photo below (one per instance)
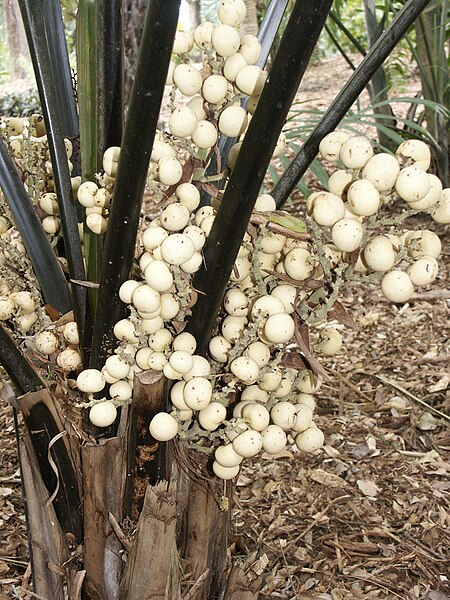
(367, 517)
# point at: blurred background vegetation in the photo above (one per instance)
(352, 28)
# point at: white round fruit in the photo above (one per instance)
(219, 348)
(183, 43)
(265, 202)
(24, 301)
(86, 194)
(363, 198)
(423, 271)
(303, 417)
(174, 217)
(215, 88)
(257, 415)
(423, 243)
(235, 302)
(188, 195)
(121, 391)
(227, 457)
(248, 443)
(265, 306)
(197, 393)
(153, 237)
(200, 368)
(339, 181)
(298, 264)
(273, 439)
(212, 416)
(397, 286)
(49, 204)
(309, 382)
(441, 210)
(355, 152)
(160, 149)
(307, 399)
(233, 64)
(412, 184)
(414, 152)
(233, 121)
(70, 332)
(245, 369)
(347, 234)
(258, 352)
(225, 473)
(117, 367)
(202, 34)
(197, 105)
(433, 195)
(379, 254)
(170, 307)
(233, 328)
(46, 342)
(158, 276)
(177, 249)
(185, 341)
(7, 308)
(382, 170)
(310, 440)
(287, 294)
(187, 79)
(205, 134)
(146, 299)
(181, 361)
(163, 427)
(157, 361)
(232, 12)
(327, 208)
(68, 360)
(250, 48)
(330, 341)
(331, 144)
(225, 40)
(283, 414)
(250, 80)
(177, 397)
(125, 330)
(254, 393)
(170, 170)
(279, 328)
(103, 414)
(182, 121)
(90, 381)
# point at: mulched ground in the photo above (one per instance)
(368, 516)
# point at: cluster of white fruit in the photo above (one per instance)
(241, 392)
(27, 141)
(358, 191)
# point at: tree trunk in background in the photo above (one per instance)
(17, 41)
(250, 25)
(133, 24)
(435, 79)
(194, 14)
(378, 85)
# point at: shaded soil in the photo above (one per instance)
(367, 517)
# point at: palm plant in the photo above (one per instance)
(83, 481)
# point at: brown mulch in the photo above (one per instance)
(368, 517)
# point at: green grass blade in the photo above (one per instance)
(53, 284)
(142, 118)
